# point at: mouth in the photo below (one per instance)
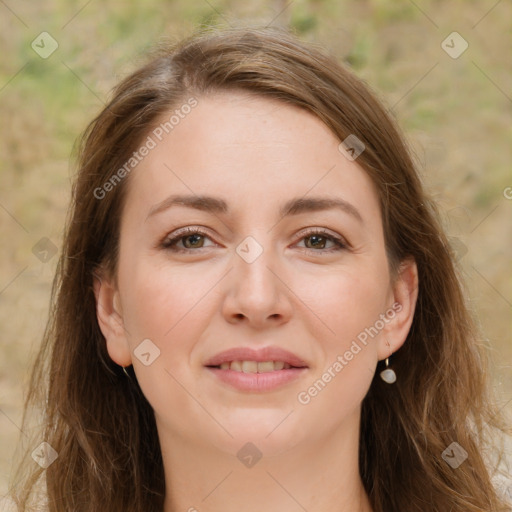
(251, 370)
(251, 360)
(255, 366)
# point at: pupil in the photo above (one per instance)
(196, 237)
(318, 240)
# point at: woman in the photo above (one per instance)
(256, 307)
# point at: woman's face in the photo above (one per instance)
(253, 257)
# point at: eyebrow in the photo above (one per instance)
(292, 207)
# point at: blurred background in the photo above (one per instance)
(442, 68)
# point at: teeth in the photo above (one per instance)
(236, 365)
(254, 366)
(249, 366)
(267, 366)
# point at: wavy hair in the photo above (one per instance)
(104, 430)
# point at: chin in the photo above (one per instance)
(266, 430)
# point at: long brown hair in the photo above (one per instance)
(104, 430)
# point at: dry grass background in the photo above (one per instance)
(455, 112)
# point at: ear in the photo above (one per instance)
(110, 320)
(400, 313)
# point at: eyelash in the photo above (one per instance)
(169, 243)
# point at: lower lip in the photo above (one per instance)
(257, 382)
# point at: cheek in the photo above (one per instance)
(172, 307)
(345, 302)
(164, 304)
(349, 304)
(169, 307)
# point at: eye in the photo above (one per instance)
(190, 238)
(316, 240)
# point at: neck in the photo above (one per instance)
(320, 477)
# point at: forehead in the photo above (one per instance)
(254, 151)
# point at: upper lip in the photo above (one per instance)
(259, 355)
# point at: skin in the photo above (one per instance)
(256, 154)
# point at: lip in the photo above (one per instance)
(269, 353)
(257, 382)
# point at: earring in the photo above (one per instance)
(388, 375)
(125, 372)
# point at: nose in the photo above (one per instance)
(257, 293)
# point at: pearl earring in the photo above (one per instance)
(388, 375)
